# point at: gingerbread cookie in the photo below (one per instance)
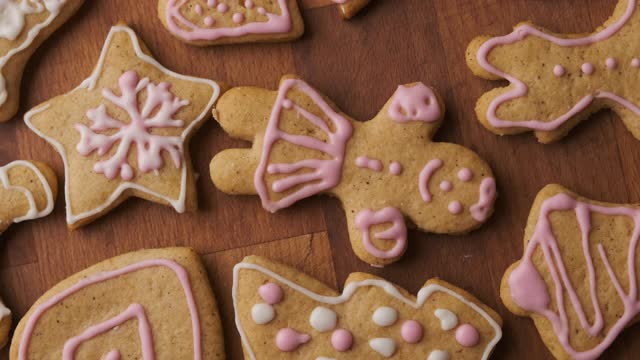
(150, 304)
(348, 8)
(382, 170)
(216, 22)
(577, 278)
(24, 25)
(125, 131)
(284, 314)
(558, 81)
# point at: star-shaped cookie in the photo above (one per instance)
(125, 131)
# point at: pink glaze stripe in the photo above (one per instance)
(180, 272)
(521, 89)
(326, 174)
(416, 103)
(425, 176)
(530, 292)
(397, 232)
(275, 24)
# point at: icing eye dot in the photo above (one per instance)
(288, 340)
(212, 3)
(455, 207)
(271, 293)
(559, 70)
(262, 313)
(248, 4)
(439, 355)
(198, 9)
(446, 186)
(238, 18)
(385, 316)
(611, 63)
(465, 175)
(323, 319)
(341, 340)
(395, 168)
(209, 21)
(411, 331)
(588, 68)
(467, 335)
(222, 8)
(635, 62)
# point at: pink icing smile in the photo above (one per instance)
(398, 231)
(520, 89)
(416, 103)
(480, 210)
(425, 176)
(182, 27)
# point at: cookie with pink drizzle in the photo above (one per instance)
(217, 22)
(386, 171)
(370, 319)
(578, 277)
(557, 81)
(125, 131)
(149, 304)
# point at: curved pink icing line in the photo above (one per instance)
(521, 89)
(365, 219)
(425, 176)
(480, 210)
(416, 103)
(326, 172)
(275, 24)
(530, 292)
(133, 311)
(180, 272)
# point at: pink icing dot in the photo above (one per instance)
(467, 335)
(559, 70)
(465, 175)
(212, 3)
(635, 62)
(198, 9)
(455, 207)
(238, 18)
(248, 4)
(288, 340)
(611, 63)
(262, 11)
(446, 186)
(209, 21)
(588, 68)
(411, 331)
(271, 293)
(395, 168)
(341, 340)
(222, 8)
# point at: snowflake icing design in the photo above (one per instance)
(160, 100)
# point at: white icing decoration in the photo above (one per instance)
(4, 311)
(439, 355)
(262, 313)
(423, 295)
(33, 212)
(12, 24)
(323, 319)
(383, 346)
(448, 320)
(385, 316)
(89, 84)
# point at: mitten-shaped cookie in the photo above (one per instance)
(556, 81)
(149, 304)
(125, 131)
(382, 170)
(578, 277)
(284, 314)
(216, 22)
(24, 25)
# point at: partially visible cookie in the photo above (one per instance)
(125, 131)
(578, 276)
(149, 304)
(24, 25)
(217, 22)
(284, 314)
(348, 8)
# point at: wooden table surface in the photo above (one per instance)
(358, 64)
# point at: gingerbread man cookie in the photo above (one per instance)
(150, 304)
(578, 277)
(348, 8)
(284, 314)
(382, 170)
(125, 131)
(215, 22)
(24, 25)
(558, 81)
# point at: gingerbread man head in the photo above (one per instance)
(384, 171)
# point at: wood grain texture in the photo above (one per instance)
(358, 64)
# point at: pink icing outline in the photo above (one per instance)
(425, 176)
(365, 219)
(326, 174)
(521, 89)
(180, 272)
(275, 24)
(413, 102)
(529, 291)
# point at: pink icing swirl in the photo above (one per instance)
(416, 103)
(398, 231)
